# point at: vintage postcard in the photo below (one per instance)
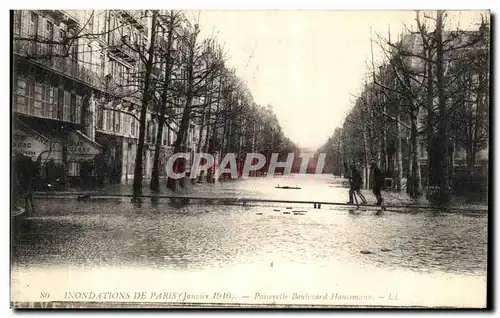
(168, 158)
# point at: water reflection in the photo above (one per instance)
(163, 234)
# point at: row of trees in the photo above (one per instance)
(431, 94)
(176, 79)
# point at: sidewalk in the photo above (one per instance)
(393, 197)
(113, 188)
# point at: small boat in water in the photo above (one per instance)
(287, 187)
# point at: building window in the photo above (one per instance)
(96, 24)
(22, 95)
(105, 119)
(49, 30)
(118, 73)
(37, 109)
(102, 65)
(60, 48)
(89, 20)
(74, 47)
(109, 115)
(422, 150)
(54, 102)
(78, 109)
(128, 81)
(83, 61)
(67, 106)
(132, 126)
(73, 169)
(111, 67)
(153, 132)
(89, 54)
(72, 107)
(134, 39)
(47, 100)
(33, 24)
(60, 103)
(117, 121)
(100, 117)
(148, 137)
(18, 22)
(126, 124)
(102, 25)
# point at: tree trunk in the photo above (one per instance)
(208, 125)
(155, 173)
(385, 154)
(399, 153)
(480, 110)
(414, 184)
(229, 145)
(200, 134)
(184, 125)
(180, 140)
(443, 173)
(137, 186)
(430, 121)
(366, 158)
(215, 133)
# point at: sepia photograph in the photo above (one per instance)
(167, 158)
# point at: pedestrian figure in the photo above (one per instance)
(25, 174)
(377, 182)
(51, 173)
(355, 185)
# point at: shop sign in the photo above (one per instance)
(29, 143)
(81, 149)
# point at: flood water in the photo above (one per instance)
(196, 237)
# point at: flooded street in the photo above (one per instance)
(259, 240)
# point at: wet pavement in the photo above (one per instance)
(118, 232)
(188, 238)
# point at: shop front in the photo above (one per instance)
(63, 156)
(112, 156)
(82, 159)
(44, 151)
(35, 145)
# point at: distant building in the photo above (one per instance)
(461, 48)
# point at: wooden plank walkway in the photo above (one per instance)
(243, 201)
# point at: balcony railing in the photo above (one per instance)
(130, 93)
(49, 56)
(133, 17)
(121, 49)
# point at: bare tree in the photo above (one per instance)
(197, 75)
(146, 98)
(172, 25)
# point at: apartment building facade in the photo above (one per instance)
(76, 91)
(457, 46)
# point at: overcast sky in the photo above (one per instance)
(306, 64)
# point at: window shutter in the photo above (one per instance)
(23, 22)
(42, 23)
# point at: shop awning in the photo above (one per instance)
(82, 148)
(33, 144)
